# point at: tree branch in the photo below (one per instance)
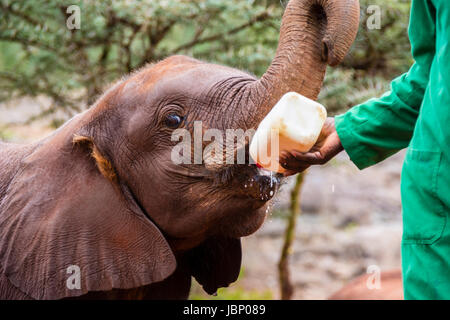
(27, 18)
(27, 42)
(286, 287)
(261, 17)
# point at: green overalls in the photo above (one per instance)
(415, 114)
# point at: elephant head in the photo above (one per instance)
(103, 192)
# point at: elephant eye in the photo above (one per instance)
(173, 121)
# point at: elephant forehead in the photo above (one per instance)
(169, 68)
(179, 74)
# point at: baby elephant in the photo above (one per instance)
(101, 209)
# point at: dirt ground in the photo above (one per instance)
(350, 219)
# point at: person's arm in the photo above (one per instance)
(378, 128)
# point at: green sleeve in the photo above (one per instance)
(378, 128)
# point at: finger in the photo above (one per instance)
(291, 163)
(309, 157)
(300, 167)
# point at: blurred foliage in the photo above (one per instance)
(284, 274)
(5, 134)
(39, 55)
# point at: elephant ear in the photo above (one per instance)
(67, 229)
(216, 262)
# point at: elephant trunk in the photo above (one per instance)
(313, 33)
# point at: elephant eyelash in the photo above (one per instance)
(172, 108)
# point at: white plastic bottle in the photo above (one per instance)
(294, 123)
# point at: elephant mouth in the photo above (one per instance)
(262, 186)
(250, 182)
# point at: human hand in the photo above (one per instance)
(327, 146)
